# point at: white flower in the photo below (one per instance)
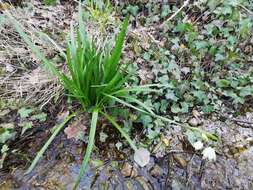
(142, 157)
(198, 145)
(209, 153)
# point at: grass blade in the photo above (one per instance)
(89, 147)
(32, 46)
(44, 148)
(143, 111)
(139, 103)
(81, 23)
(127, 104)
(142, 88)
(111, 66)
(136, 90)
(123, 133)
(63, 54)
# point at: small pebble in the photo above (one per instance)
(180, 161)
(194, 122)
(156, 171)
(128, 170)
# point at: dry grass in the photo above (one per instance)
(21, 75)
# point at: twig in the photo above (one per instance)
(179, 152)
(201, 169)
(176, 152)
(168, 180)
(175, 14)
(195, 21)
(242, 121)
(244, 124)
(249, 11)
(146, 31)
(189, 171)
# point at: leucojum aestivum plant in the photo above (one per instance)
(95, 78)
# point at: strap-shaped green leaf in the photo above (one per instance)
(92, 133)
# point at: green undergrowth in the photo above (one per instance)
(204, 54)
(96, 79)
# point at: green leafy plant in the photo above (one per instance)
(101, 12)
(7, 133)
(96, 79)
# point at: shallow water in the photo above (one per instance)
(113, 169)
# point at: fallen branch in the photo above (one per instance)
(245, 124)
(175, 13)
(247, 10)
(242, 121)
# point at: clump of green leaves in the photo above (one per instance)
(7, 133)
(203, 61)
(27, 116)
(236, 88)
(101, 12)
(96, 79)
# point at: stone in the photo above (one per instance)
(128, 170)
(156, 171)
